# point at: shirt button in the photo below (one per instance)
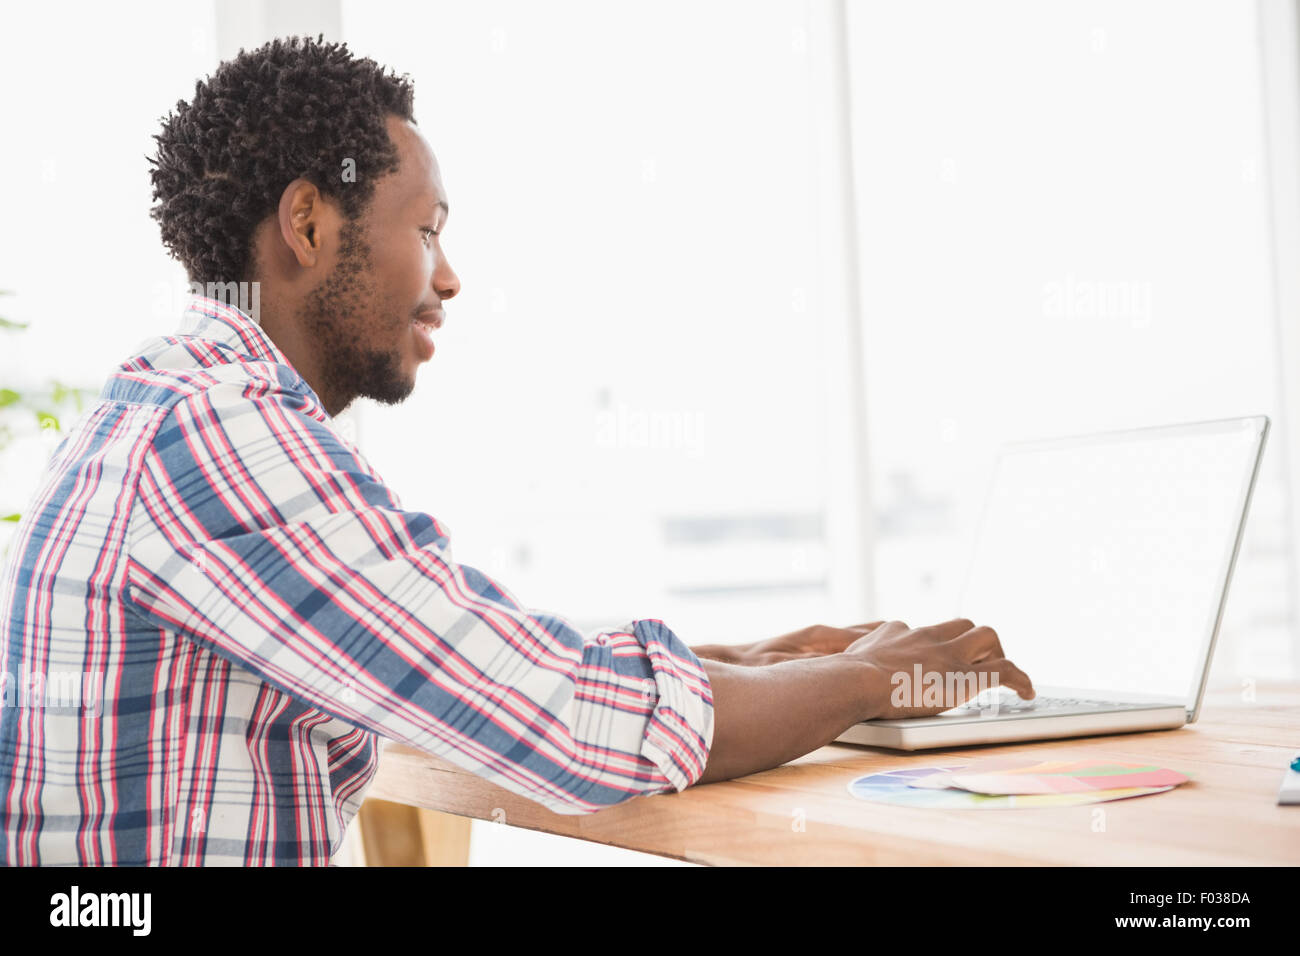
(602, 640)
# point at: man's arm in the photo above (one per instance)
(767, 716)
(260, 536)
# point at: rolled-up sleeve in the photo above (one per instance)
(259, 533)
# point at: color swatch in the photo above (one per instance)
(1038, 776)
(898, 787)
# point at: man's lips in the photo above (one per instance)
(425, 324)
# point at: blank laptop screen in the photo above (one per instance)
(1101, 561)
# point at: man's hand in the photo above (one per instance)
(831, 679)
(816, 641)
(966, 659)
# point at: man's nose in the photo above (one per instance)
(445, 281)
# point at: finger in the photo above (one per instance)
(833, 641)
(951, 629)
(818, 641)
(980, 643)
(883, 632)
(1008, 674)
(865, 627)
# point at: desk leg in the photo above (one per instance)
(394, 834)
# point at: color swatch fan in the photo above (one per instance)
(1014, 782)
(1037, 776)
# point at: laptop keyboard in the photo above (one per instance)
(1039, 705)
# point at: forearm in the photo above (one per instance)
(766, 716)
(723, 653)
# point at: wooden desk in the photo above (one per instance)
(801, 813)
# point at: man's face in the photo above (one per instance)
(372, 318)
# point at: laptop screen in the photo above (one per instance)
(1102, 561)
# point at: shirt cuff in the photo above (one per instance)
(680, 732)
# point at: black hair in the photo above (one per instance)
(293, 108)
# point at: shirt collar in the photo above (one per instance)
(209, 318)
(214, 319)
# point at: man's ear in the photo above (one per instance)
(302, 215)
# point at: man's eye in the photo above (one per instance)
(428, 230)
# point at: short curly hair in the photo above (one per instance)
(292, 108)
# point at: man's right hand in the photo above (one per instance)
(952, 650)
(767, 716)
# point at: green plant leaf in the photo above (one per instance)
(61, 394)
(48, 420)
(12, 517)
(8, 397)
(11, 324)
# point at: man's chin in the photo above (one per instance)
(393, 393)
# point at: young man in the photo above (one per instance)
(250, 602)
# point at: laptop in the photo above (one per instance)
(1103, 563)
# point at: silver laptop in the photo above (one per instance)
(1103, 563)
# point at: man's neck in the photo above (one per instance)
(279, 322)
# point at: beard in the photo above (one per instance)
(335, 313)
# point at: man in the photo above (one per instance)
(251, 599)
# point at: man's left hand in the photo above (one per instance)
(816, 641)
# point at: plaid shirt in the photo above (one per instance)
(246, 608)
